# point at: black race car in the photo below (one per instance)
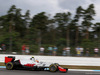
(32, 64)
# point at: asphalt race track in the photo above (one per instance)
(26, 72)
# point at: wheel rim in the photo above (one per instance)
(9, 66)
(52, 68)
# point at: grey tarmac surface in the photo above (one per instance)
(26, 72)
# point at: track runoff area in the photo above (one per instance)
(3, 71)
(79, 70)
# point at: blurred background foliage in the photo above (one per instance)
(61, 30)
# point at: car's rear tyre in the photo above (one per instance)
(52, 68)
(9, 66)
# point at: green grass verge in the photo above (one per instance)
(2, 64)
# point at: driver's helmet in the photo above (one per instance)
(32, 58)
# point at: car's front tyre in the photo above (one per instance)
(52, 68)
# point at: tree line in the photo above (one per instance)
(61, 30)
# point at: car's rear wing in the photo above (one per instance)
(9, 59)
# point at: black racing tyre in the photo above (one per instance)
(56, 64)
(52, 68)
(9, 66)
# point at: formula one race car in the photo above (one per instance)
(32, 64)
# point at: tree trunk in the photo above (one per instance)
(67, 38)
(10, 38)
(77, 37)
(87, 34)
